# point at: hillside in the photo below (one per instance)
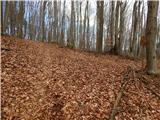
(47, 82)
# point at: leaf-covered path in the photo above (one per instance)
(43, 81)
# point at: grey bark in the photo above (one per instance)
(121, 38)
(100, 20)
(21, 18)
(151, 28)
(80, 29)
(116, 47)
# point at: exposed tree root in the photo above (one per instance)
(146, 85)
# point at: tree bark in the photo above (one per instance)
(121, 36)
(6, 16)
(116, 46)
(100, 20)
(112, 23)
(71, 42)
(2, 18)
(151, 28)
(21, 18)
(80, 29)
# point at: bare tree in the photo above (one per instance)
(151, 28)
(116, 46)
(100, 6)
(2, 18)
(80, 29)
(71, 41)
(55, 27)
(12, 12)
(84, 26)
(43, 21)
(112, 22)
(63, 25)
(121, 36)
(6, 16)
(21, 18)
(88, 29)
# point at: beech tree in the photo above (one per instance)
(12, 12)
(63, 25)
(55, 27)
(43, 21)
(112, 16)
(116, 45)
(80, 29)
(21, 18)
(71, 41)
(2, 17)
(151, 29)
(99, 39)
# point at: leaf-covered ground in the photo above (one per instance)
(41, 81)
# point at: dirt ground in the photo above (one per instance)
(42, 81)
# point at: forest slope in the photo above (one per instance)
(43, 81)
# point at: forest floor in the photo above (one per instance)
(42, 81)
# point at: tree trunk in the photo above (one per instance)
(55, 22)
(21, 18)
(2, 18)
(151, 28)
(80, 29)
(6, 16)
(112, 23)
(117, 28)
(12, 17)
(84, 27)
(121, 38)
(43, 21)
(71, 42)
(88, 33)
(100, 21)
(134, 41)
(63, 25)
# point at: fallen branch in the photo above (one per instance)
(120, 94)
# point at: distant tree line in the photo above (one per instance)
(112, 30)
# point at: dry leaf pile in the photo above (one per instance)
(41, 81)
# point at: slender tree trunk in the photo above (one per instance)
(88, 33)
(116, 28)
(77, 26)
(55, 33)
(135, 29)
(71, 42)
(151, 37)
(121, 38)
(84, 27)
(12, 17)
(2, 18)
(6, 16)
(80, 29)
(112, 23)
(21, 18)
(63, 25)
(100, 21)
(43, 21)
